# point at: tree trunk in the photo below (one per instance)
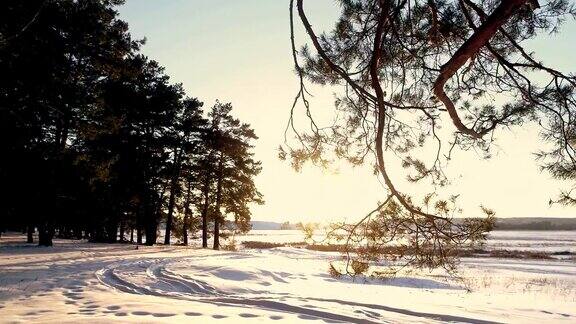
(216, 234)
(185, 229)
(139, 225)
(151, 228)
(30, 238)
(45, 235)
(111, 235)
(151, 221)
(218, 215)
(171, 203)
(151, 235)
(205, 212)
(187, 212)
(131, 235)
(173, 189)
(122, 230)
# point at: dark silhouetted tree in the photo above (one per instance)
(53, 54)
(96, 141)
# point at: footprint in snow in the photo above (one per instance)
(162, 314)
(247, 315)
(140, 313)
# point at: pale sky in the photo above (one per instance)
(239, 52)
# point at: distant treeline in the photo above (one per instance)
(97, 143)
(536, 224)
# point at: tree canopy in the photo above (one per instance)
(406, 68)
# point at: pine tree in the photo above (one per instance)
(234, 170)
(185, 139)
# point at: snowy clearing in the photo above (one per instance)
(76, 281)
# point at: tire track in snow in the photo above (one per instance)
(170, 285)
(165, 283)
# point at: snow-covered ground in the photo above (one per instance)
(77, 282)
(543, 241)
